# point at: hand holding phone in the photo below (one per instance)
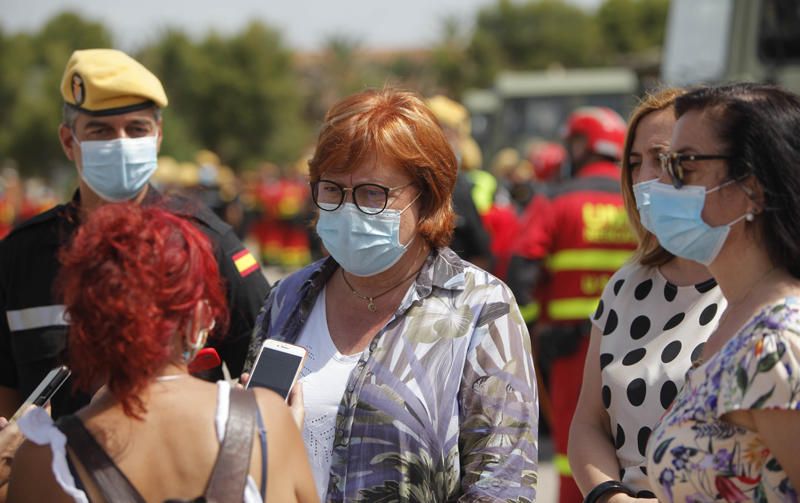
(277, 367)
(44, 391)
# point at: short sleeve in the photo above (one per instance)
(763, 371)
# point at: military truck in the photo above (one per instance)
(526, 105)
(711, 41)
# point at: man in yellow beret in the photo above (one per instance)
(470, 239)
(112, 131)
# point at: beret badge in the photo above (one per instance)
(78, 89)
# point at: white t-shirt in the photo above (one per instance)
(324, 379)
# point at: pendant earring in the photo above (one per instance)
(749, 216)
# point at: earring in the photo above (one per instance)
(749, 216)
(192, 348)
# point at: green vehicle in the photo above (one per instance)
(710, 41)
(526, 105)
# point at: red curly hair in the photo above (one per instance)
(130, 280)
(398, 126)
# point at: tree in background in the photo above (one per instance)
(538, 34)
(534, 35)
(238, 96)
(30, 78)
(632, 26)
(251, 99)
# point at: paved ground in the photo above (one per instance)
(548, 479)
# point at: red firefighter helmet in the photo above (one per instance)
(547, 158)
(602, 127)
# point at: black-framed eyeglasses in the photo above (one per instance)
(370, 198)
(672, 163)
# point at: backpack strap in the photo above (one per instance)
(229, 477)
(109, 480)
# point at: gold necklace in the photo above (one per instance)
(371, 299)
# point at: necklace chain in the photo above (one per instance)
(371, 299)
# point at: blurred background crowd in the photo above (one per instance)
(245, 105)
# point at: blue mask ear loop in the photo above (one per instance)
(749, 216)
(412, 202)
(405, 246)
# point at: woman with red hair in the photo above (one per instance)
(142, 292)
(419, 384)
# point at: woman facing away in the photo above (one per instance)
(142, 293)
(419, 384)
(729, 199)
(652, 321)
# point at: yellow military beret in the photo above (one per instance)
(109, 82)
(450, 114)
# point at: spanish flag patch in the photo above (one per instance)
(245, 263)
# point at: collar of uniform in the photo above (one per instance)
(600, 168)
(150, 198)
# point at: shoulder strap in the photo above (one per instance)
(229, 477)
(112, 483)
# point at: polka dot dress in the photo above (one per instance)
(651, 331)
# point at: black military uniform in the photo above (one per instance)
(33, 332)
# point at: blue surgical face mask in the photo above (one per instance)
(117, 170)
(641, 193)
(364, 245)
(675, 215)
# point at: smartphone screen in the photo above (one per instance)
(275, 370)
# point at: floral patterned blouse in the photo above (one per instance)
(693, 455)
(442, 406)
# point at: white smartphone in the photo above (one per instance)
(44, 391)
(277, 367)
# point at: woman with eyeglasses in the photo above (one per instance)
(653, 318)
(729, 199)
(419, 385)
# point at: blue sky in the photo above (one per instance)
(305, 24)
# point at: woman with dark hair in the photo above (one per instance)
(142, 292)
(730, 200)
(653, 318)
(419, 385)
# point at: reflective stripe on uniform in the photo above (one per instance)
(588, 260)
(561, 463)
(529, 312)
(36, 317)
(578, 308)
(483, 189)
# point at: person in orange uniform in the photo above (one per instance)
(568, 248)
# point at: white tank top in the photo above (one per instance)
(38, 427)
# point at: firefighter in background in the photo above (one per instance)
(470, 239)
(568, 248)
(295, 215)
(283, 217)
(10, 200)
(502, 219)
